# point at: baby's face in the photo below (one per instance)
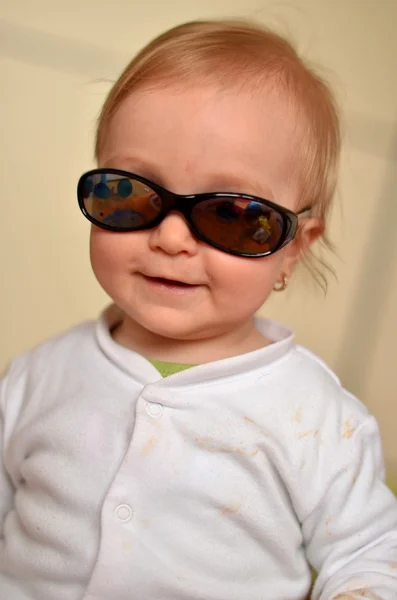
(192, 141)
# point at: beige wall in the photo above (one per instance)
(52, 58)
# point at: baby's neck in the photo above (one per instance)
(192, 351)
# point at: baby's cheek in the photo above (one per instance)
(100, 247)
(241, 286)
(247, 275)
(109, 250)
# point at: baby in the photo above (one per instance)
(180, 448)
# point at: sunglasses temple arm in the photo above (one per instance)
(304, 213)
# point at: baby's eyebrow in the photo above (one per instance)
(213, 182)
(245, 185)
(133, 164)
(236, 183)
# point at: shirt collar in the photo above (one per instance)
(281, 338)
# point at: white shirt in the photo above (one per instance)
(220, 482)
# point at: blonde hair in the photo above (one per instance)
(241, 53)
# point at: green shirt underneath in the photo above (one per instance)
(169, 368)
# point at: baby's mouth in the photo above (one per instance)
(174, 285)
(171, 282)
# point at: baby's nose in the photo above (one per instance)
(173, 236)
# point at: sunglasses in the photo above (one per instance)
(238, 224)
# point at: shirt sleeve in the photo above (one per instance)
(6, 487)
(351, 532)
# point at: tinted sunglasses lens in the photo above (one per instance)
(240, 225)
(117, 201)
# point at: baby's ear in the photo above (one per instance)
(309, 230)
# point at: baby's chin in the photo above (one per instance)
(166, 325)
(171, 324)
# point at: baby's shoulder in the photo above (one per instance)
(309, 381)
(59, 350)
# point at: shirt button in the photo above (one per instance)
(154, 410)
(123, 513)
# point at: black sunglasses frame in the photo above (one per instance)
(185, 203)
